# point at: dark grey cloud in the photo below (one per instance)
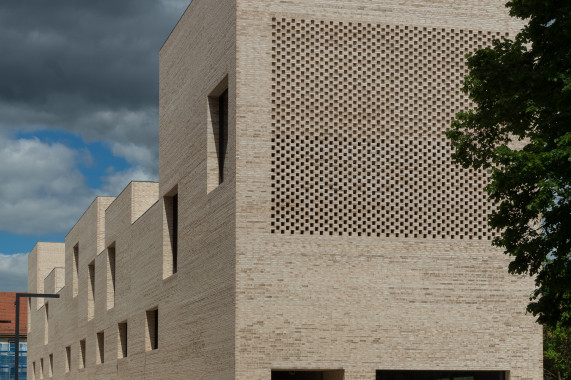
(89, 67)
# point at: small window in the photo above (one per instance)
(91, 290)
(41, 368)
(335, 374)
(440, 375)
(34, 371)
(217, 143)
(75, 269)
(111, 276)
(170, 236)
(46, 323)
(68, 359)
(152, 333)
(122, 349)
(100, 347)
(82, 354)
(51, 366)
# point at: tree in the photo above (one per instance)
(557, 353)
(520, 131)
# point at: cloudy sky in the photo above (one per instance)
(78, 112)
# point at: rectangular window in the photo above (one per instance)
(440, 375)
(75, 269)
(111, 276)
(100, 348)
(294, 374)
(34, 371)
(82, 354)
(91, 290)
(29, 314)
(51, 366)
(68, 359)
(41, 368)
(122, 346)
(217, 135)
(152, 333)
(170, 246)
(46, 323)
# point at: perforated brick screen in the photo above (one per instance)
(358, 119)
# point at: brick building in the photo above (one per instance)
(7, 337)
(308, 222)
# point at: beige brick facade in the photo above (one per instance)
(341, 236)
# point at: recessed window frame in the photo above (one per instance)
(123, 340)
(171, 215)
(82, 353)
(218, 114)
(111, 275)
(152, 329)
(100, 355)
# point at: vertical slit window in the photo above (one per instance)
(82, 353)
(122, 349)
(222, 133)
(41, 368)
(111, 276)
(100, 347)
(91, 291)
(51, 365)
(68, 359)
(217, 135)
(75, 269)
(170, 247)
(152, 335)
(46, 323)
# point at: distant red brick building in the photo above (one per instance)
(8, 312)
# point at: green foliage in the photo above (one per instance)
(557, 353)
(520, 132)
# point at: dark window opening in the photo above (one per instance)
(91, 292)
(441, 375)
(171, 212)
(76, 269)
(111, 280)
(68, 359)
(222, 133)
(152, 329)
(174, 233)
(308, 375)
(100, 348)
(217, 135)
(82, 353)
(122, 352)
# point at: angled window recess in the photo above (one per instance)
(111, 276)
(51, 365)
(100, 357)
(170, 233)
(91, 290)
(46, 323)
(152, 331)
(122, 342)
(82, 354)
(67, 359)
(217, 135)
(75, 269)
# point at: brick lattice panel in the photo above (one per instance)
(358, 119)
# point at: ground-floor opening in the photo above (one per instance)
(336, 374)
(441, 375)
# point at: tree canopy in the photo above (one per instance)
(520, 131)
